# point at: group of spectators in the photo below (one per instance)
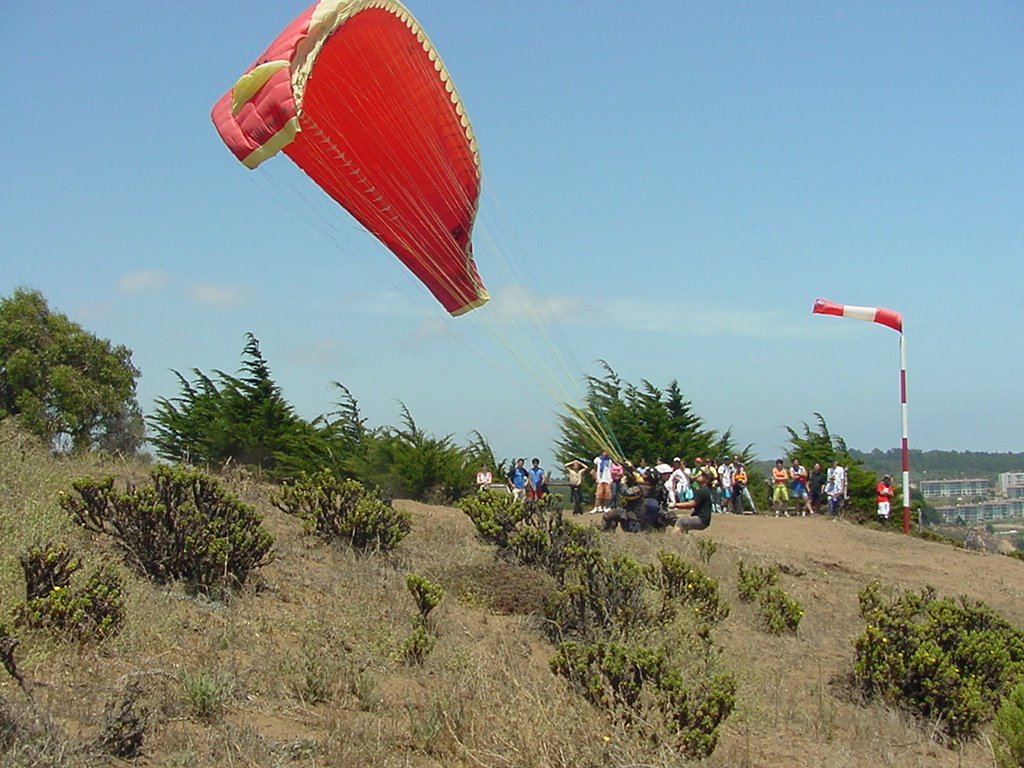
(727, 479)
(635, 496)
(809, 491)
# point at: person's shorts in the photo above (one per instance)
(604, 491)
(799, 492)
(780, 493)
(883, 509)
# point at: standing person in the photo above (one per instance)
(538, 481)
(574, 470)
(883, 495)
(517, 480)
(739, 487)
(701, 504)
(837, 479)
(617, 472)
(815, 485)
(603, 477)
(798, 487)
(725, 473)
(484, 478)
(834, 492)
(780, 489)
(679, 481)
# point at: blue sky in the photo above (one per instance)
(668, 186)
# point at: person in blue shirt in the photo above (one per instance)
(538, 481)
(517, 480)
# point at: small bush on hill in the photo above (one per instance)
(344, 510)
(418, 645)
(942, 660)
(47, 567)
(778, 612)
(91, 610)
(601, 598)
(644, 688)
(753, 579)
(1009, 724)
(494, 515)
(183, 525)
(680, 582)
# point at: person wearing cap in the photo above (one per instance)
(574, 470)
(883, 495)
(701, 504)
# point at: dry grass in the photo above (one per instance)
(304, 667)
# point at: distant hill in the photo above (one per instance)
(942, 465)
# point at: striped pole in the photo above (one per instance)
(905, 441)
(894, 320)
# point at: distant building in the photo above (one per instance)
(973, 488)
(982, 511)
(1011, 485)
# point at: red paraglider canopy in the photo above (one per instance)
(354, 93)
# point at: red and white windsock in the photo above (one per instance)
(894, 320)
(889, 317)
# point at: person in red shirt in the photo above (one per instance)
(883, 495)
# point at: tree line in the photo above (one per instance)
(78, 393)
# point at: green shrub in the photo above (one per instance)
(426, 594)
(644, 688)
(941, 660)
(706, 548)
(777, 611)
(183, 525)
(1009, 730)
(344, 510)
(682, 583)
(601, 598)
(90, 611)
(529, 546)
(47, 567)
(753, 579)
(494, 515)
(418, 644)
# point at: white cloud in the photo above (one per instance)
(639, 313)
(142, 281)
(320, 353)
(219, 296)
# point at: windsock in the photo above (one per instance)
(889, 317)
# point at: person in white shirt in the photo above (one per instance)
(603, 477)
(835, 487)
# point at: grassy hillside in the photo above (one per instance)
(304, 667)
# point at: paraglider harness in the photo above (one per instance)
(645, 506)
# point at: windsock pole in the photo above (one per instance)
(905, 442)
(894, 320)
